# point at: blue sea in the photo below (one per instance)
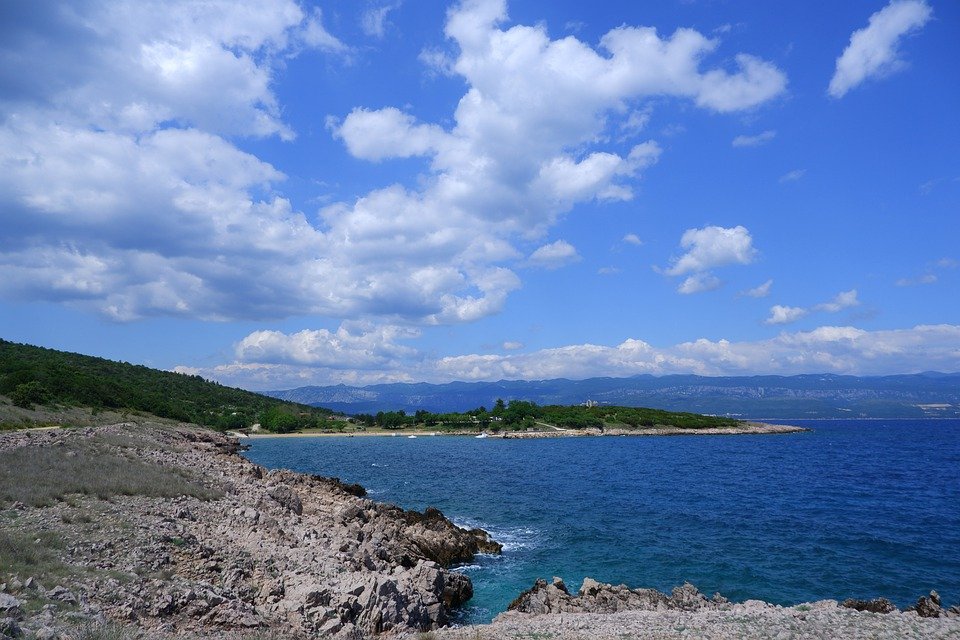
(853, 509)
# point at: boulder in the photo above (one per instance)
(287, 498)
(10, 629)
(10, 607)
(929, 606)
(877, 605)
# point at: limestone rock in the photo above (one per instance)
(929, 607)
(287, 498)
(11, 607)
(10, 629)
(596, 597)
(877, 605)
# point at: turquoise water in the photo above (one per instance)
(855, 508)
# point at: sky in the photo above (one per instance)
(272, 193)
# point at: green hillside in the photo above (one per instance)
(37, 376)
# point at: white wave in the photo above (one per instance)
(512, 538)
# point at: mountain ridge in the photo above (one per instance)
(920, 395)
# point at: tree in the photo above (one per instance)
(28, 394)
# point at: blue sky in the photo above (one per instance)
(274, 194)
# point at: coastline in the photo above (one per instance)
(745, 428)
(168, 531)
(273, 553)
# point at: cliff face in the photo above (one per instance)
(277, 550)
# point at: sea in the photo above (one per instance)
(853, 508)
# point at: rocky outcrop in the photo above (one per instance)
(610, 612)
(877, 605)
(597, 597)
(929, 606)
(279, 552)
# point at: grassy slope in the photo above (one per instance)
(57, 378)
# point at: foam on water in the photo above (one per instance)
(512, 538)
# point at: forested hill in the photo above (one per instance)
(923, 395)
(37, 376)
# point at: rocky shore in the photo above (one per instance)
(258, 550)
(603, 611)
(166, 531)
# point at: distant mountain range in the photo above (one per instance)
(923, 395)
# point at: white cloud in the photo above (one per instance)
(927, 278)
(699, 283)
(636, 122)
(512, 345)
(373, 21)
(119, 168)
(634, 239)
(872, 50)
(349, 347)
(709, 248)
(754, 141)
(608, 271)
(712, 247)
(830, 349)
(314, 34)
(554, 255)
(781, 314)
(792, 176)
(843, 300)
(387, 133)
(761, 291)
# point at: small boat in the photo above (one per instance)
(411, 436)
(482, 435)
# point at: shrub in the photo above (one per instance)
(28, 394)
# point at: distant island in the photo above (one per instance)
(922, 395)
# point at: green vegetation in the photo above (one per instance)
(521, 415)
(40, 476)
(36, 376)
(30, 554)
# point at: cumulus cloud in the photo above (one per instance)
(632, 238)
(122, 188)
(699, 282)
(761, 291)
(872, 51)
(780, 314)
(709, 248)
(843, 300)
(357, 346)
(712, 247)
(833, 349)
(554, 255)
(754, 141)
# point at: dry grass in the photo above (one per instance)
(41, 476)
